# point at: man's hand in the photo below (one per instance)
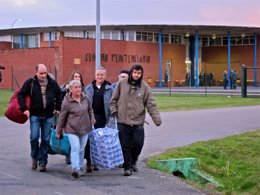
(158, 124)
(56, 112)
(27, 113)
(114, 114)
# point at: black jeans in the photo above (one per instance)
(100, 123)
(132, 141)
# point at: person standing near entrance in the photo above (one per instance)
(130, 100)
(225, 79)
(45, 96)
(166, 78)
(99, 92)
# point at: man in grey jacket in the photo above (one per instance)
(129, 102)
(99, 92)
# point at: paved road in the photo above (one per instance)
(179, 128)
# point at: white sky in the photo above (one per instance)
(36, 13)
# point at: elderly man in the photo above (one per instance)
(122, 75)
(45, 96)
(99, 92)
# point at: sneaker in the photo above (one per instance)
(42, 168)
(95, 168)
(75, 174)
(127, 172)
(34, 164)
(67, 160)
(135, 169)
(82, 172)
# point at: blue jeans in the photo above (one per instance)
(40, 126)
(77, 150)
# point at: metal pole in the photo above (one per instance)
(160, 59)
(205, 79)
(197, 58)
(171, 79)
(243, 81)
(255, 59)
(97, 34)
(12, 76)
(228, 76)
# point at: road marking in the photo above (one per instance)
(9, 175)
(58, 193)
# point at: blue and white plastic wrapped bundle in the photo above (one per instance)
(105, 148)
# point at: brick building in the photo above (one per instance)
(179, 49)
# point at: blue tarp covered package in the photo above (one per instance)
(105, 148)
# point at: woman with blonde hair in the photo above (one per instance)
(76, 119)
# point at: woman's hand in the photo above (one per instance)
(58, 135)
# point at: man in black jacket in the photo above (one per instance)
(45, 96)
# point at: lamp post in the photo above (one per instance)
(15, 21)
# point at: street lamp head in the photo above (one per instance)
(16, 20)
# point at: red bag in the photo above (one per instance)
(13, 111)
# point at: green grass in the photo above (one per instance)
(174, 102)
(193, 101)
(4, 99)
(233, 161)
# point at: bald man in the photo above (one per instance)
(46, 100)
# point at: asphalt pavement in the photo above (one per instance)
(178, 129)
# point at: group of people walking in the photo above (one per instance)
(81, 107)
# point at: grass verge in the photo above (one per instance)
(4, 99)
(232, 161)
(174, 102)
(194, 101)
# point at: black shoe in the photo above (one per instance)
(127, 172)
(89, 169)
(34, 164)
(75, 174)
(135, 169)
(96, 168)
(42, 168)
(67, 160)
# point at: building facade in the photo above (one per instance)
(176, 49)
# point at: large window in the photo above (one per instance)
(55, 36)
(106, 34)
(77, 34)
(176, 39)
(115, 35)
(131, 35)
(234, 40)
(28, 41)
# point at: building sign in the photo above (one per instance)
(118, 58)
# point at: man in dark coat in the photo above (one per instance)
(45, 96)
